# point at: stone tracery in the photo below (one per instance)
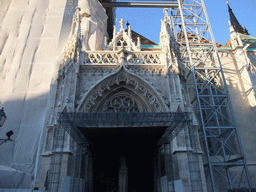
(121, 103)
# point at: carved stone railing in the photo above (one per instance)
(103, 57)
(114, 57)
(144, 58)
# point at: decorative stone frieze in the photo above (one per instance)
(114, 57)
(147, 70)
(97, 71)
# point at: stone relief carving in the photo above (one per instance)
(147, 71)
(120, 80)
(94, 71)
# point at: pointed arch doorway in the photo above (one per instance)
(123, 156)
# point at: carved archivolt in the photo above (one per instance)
(125, 88)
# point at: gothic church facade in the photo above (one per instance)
(65, 66)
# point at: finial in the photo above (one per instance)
(138, 43)
(105, 41)
(129, 31)
(165, 11)
(114, 31)
(122, 23)
(229, 9)
(127, 24)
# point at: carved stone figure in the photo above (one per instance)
(88, 31)
(89, 26)
(84, 6)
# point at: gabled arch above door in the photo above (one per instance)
(122, 91)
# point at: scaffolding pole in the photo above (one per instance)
(225, 162)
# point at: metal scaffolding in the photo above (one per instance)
(225, 163)
(79, 121)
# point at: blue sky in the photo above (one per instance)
(146, 21)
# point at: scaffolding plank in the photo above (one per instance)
(140, 4)
(135, 119)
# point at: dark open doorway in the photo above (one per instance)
(137, 145)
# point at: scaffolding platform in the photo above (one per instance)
(123, 119)
(76, 123)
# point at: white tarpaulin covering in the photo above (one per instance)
(30, 33)
(12, 178)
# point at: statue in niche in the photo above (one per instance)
(123, 175)
(89, 26)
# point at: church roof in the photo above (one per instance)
(143, 40)
(234, 22)
(246, 39)
(193, 37)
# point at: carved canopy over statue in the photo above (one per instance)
(93, 24)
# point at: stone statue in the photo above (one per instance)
(123, 175)
(84, 6)
(89, 26)
(88, 31)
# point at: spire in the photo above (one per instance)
(234, 22)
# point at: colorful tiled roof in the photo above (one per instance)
(193, 37)
(246, 39)
(143, 40)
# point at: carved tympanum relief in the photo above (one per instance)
(121, 103)
(127, 84)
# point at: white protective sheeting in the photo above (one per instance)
(12, 178)
(32, 36)
(30, 32)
